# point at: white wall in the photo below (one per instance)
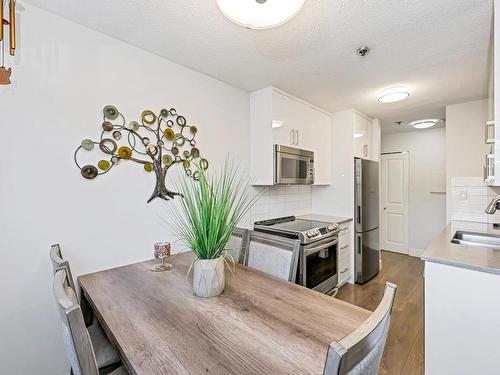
(427, 173)
(64, 75)
(465, 147)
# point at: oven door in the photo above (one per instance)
(293, 166)
(319, 265)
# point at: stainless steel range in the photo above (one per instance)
(318, 250)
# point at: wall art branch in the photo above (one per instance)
(157, 142)
(11, 22)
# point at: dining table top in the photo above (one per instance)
(259, 325)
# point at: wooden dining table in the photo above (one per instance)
(259, 325)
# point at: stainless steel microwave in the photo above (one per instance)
(293, 166)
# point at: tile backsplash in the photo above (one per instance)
(278, 201)
(469, 198)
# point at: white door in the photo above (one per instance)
(394, 202)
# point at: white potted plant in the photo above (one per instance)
(209, 212)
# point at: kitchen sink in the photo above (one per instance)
(476, 239)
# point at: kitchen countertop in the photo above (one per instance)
(325, 218)
(477, 258)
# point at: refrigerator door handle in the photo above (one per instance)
(359, 214)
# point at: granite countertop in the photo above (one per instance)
(477, 258)
(325, 218)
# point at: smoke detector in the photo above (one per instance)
(363, 51)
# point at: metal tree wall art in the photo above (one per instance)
(4, 72)
(157, 143)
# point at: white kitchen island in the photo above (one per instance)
(462, 305)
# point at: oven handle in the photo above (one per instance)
(321, 247)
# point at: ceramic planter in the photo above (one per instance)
(208, 277)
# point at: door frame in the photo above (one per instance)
(406, 161)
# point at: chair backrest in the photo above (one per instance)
(275, 255)
(59, 262)
(236, 246)
(76, 337)
(361, 351)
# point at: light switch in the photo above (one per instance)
(462, 196)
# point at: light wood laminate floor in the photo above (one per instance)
(404, 352)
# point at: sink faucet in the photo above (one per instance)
(492, 207)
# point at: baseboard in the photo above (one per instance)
(416, 252)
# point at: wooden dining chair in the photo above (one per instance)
(79, 346)
(236, 247)
(274, 255)
(106, 354)
(58, 262)
(360, 352)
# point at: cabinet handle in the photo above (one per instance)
(345, 270)
(342, 229)
(297, 141)
(490, 132)
(344, 247)
(365, 150)
(291, 136)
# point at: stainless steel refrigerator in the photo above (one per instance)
(366, 217)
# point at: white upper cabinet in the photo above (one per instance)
(296, 118)
(304, 127)
(362, 136)
(366, 137)
(491, 167)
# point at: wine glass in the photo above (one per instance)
(162, 251)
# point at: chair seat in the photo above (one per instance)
(119, 371)
(105, 354)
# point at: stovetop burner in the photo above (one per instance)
(305, 230)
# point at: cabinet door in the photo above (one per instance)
(281, 112)
(345, 250)
(362, 137)
(305, 117)
(296, 117)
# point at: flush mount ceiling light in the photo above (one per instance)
(260, 14)
(394, 94)
(424, 124)
(276, 124)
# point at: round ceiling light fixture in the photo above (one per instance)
(394, 94)
(424, 124)
(260, 14)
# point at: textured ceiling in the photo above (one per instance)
(439, 48)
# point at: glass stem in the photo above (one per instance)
(162, 262)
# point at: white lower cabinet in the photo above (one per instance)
(461, 320)
(344, 254)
